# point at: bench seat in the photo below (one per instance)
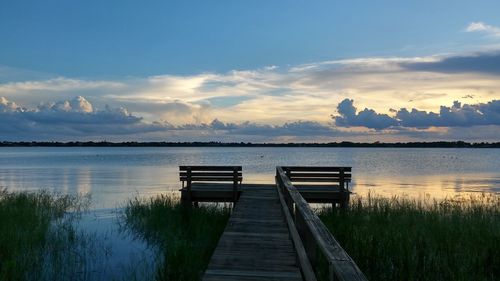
(210, 183)
(321, 184)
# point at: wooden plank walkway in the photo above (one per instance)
(256, 244)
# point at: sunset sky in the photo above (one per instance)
(261, 71)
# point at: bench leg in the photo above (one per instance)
(185, 198)
(344, 203)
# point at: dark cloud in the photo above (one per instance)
(79, 119)
(457, 115)
(76, 117)
(298, 128)
(488, 63)
(417, 118)
(365, 118)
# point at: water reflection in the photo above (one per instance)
(117, 255)
(438, 186)
(114, 175)
(109, 187)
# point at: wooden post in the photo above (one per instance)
(341, 180)
(188, 186)
(235, 185)
(344, 201)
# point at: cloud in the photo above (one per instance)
(279, 95)
(298, 128)
(273, 101)
(78, 104)
(458, 115)
(8, 106)
(57, 84)
(79, 118)
(366, 118)
(73, 118)
(484, 28)
(488, 63)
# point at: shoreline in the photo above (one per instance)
(438, 144)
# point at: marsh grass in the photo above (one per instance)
(37, 237)
(401, 238)
(186, 237)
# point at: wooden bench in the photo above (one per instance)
(321, 184)
(210, 183)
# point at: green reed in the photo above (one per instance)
(186, 237)
(37, 237)
(402, 238)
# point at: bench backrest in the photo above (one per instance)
(210, 173)
(339, 175)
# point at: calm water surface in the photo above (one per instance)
(112, 175)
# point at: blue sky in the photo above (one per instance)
(186, 63)
(115, 38)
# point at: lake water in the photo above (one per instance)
(114, 175)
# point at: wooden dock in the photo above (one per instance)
(256, 244)
(272, 233)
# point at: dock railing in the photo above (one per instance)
(314, 235)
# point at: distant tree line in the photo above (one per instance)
(444, 144)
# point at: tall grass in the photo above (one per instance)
(186, 236)
(421, 239)
(37, 239)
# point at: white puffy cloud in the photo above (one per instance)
(483, 27)
(78, 104)
(8, 106)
